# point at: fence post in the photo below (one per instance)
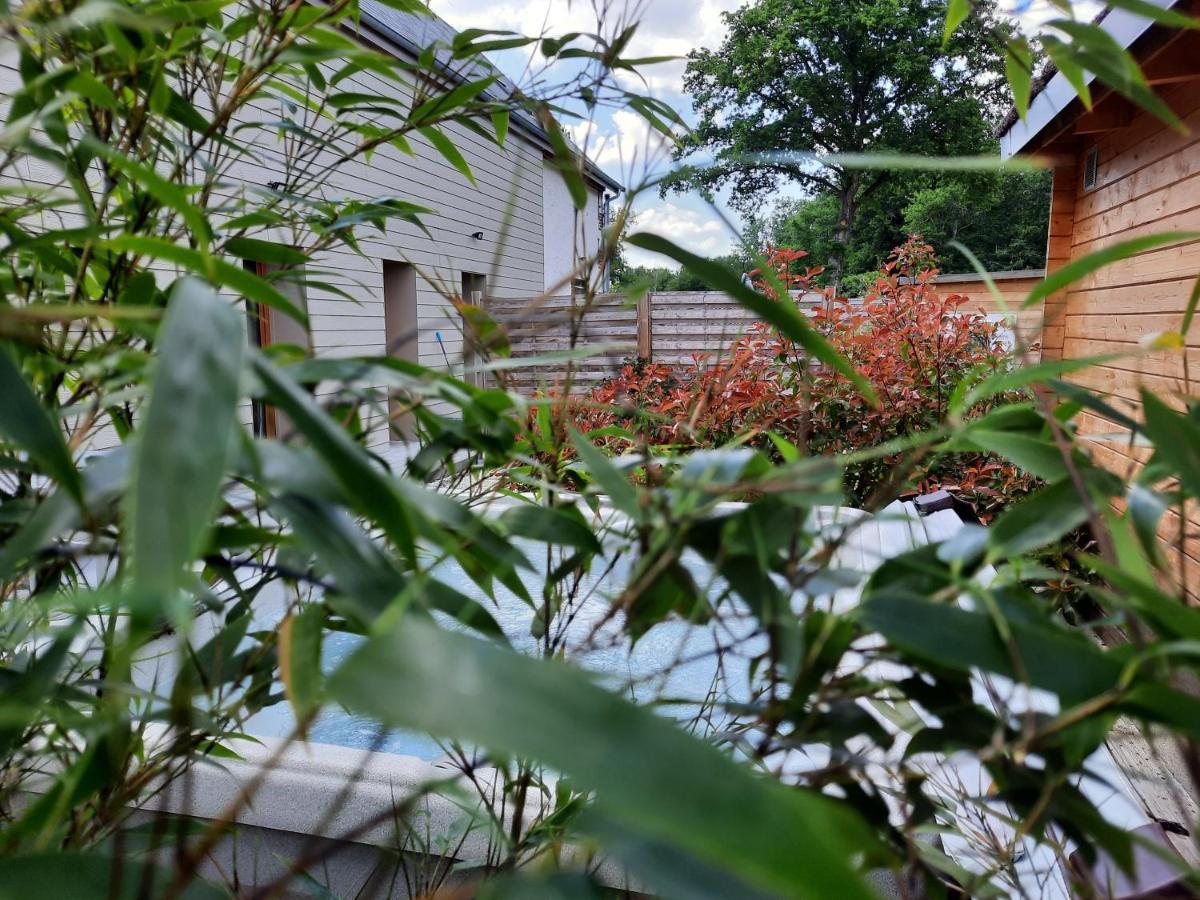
(645, 318)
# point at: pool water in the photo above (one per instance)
(676, 664)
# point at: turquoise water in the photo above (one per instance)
(676, 664)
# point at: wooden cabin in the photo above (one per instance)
(1120, 173)
(1011, 288)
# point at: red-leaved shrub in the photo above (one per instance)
(914, 344)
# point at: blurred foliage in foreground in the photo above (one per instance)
(819, 752)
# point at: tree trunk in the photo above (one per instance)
(848, 197)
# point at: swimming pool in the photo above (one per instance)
(674, 661)
(675, 665)
(681, 667)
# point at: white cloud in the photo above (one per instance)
(665, 27)
(630, 149)
(698, 230)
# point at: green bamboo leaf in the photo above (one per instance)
(1145, 509)
(664, 868)
(93, 90)
(1064, 60)
(456, 97)
(1086, 265)
(792, 323)
(621, 492)
(653, 778)
(1162, 15)
(449, 152)
(23, 695)
(500, 122)
(904, 162)
(300, 659)
(1037, 521)
(1169, 615)
(185, 436)
(439, 596)
(983, 273)
(72, 875)
(956, 13)
(1032, 453)
(209, 267)
(1018, 68)
(182, 111)
(1189, 312)
(561, 525)
(566, 160)
(265, 251)
(365, 484)
(25, 422)
(1097, 51)
(167, 193)
(1051, 657)
(366, 579)
(192, 11)
(1022, 377)
(1158, 703)
(1176, 440)
(49, 520)
(1089, 400)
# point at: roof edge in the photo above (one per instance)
(1125, 27)
(520, 121)
(1010, 275)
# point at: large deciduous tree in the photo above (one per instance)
(832, 77)
(1001, 216)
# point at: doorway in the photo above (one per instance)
(266, 326)
(474, 294)
(400, 332)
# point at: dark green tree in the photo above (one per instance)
(1002, 217)
(829, 77)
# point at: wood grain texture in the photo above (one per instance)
(1148, 182)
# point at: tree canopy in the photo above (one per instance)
(794, 82)
(1002, 217)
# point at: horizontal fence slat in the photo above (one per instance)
(677, 328)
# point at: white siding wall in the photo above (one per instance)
(569, 234)
(506, 177)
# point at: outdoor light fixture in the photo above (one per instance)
(478, 235)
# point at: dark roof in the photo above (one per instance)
(413, 32)
(1128, 25)
(1049, 70)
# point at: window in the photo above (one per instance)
(474, 293)
(579, 284)
(400, 332)
(266, 326)
(1091, 169)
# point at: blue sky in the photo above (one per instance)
(619, 140)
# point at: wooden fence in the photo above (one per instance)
(538, 327)
(673, 327)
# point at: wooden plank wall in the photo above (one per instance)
(698, 325)
(1148, 182)
(547, 325)
(1013, 288)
